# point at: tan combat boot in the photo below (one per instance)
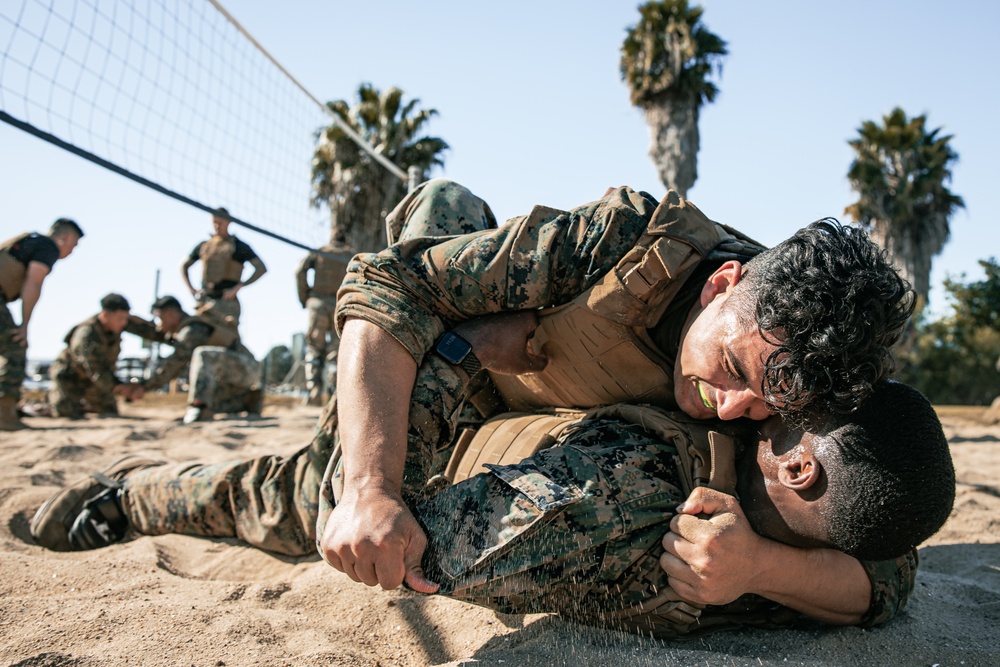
(9, 420)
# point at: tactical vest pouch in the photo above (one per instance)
(217, 262)
(12, 272)
(224, 331)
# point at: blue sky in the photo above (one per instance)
(531, 102)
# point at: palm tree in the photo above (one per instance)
(667, 60)
(358, 190)
(900, 173)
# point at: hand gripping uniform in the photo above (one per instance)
(416, 290)
(85, 371)
(577, 527)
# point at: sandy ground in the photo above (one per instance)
(177, 600)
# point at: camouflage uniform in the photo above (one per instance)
(15, 255)
(320, 302)
(12, 357)
(85, 371)
(221, 377)
(222, 266)
(543, 521)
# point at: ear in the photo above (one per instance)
(721, 282)
(800, 471)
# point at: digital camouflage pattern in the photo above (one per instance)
(221, 378)
(322, 342)
(85, 371)
(12, 357)
(574, 529)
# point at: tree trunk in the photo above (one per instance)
(673, 128)
(362, 199)
(912, 260)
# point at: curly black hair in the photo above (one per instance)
(891, 481)
(832, 303)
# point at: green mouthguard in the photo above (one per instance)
(704, 397)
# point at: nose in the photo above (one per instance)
(741, 403)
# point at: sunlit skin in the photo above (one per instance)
(781, 486)
(114, 321)
(168, 320)
(720, 364)
(220, 226)
(66, 243)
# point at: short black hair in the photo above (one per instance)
(890, 477)
(114, 302)
(832, 303)
(166, 302)
(221, 212)
(64, 226)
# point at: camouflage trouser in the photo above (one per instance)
(222, 309)
(221, 378)
(273, 502)
(70, 391)
(321, 344)
(12, 357)
(269, 502)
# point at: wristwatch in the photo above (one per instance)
(457, 351)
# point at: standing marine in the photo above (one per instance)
(222, 258)
(329, 266)
(25, 261)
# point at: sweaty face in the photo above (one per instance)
(720, 363)
(766, 485)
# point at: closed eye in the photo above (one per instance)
(733, 369)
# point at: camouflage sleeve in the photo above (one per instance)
(417, 289)
(144, 329)
(892, 583)
(184, 343)
(90, 356)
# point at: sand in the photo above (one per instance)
(177, 600)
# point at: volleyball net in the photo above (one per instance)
(173, 94)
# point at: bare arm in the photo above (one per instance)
(302, 278)
(185, 267)
(717, 559)
(258, 270)
(371, 534)
(31, 290)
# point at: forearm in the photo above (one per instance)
(258, 270)
(30, 292)
(168, 369)
(824, 584)
(374, 383)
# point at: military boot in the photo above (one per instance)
(87, 514)
(9, 419)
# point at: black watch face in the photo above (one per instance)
(453, 348)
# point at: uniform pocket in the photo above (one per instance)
(474, 522)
